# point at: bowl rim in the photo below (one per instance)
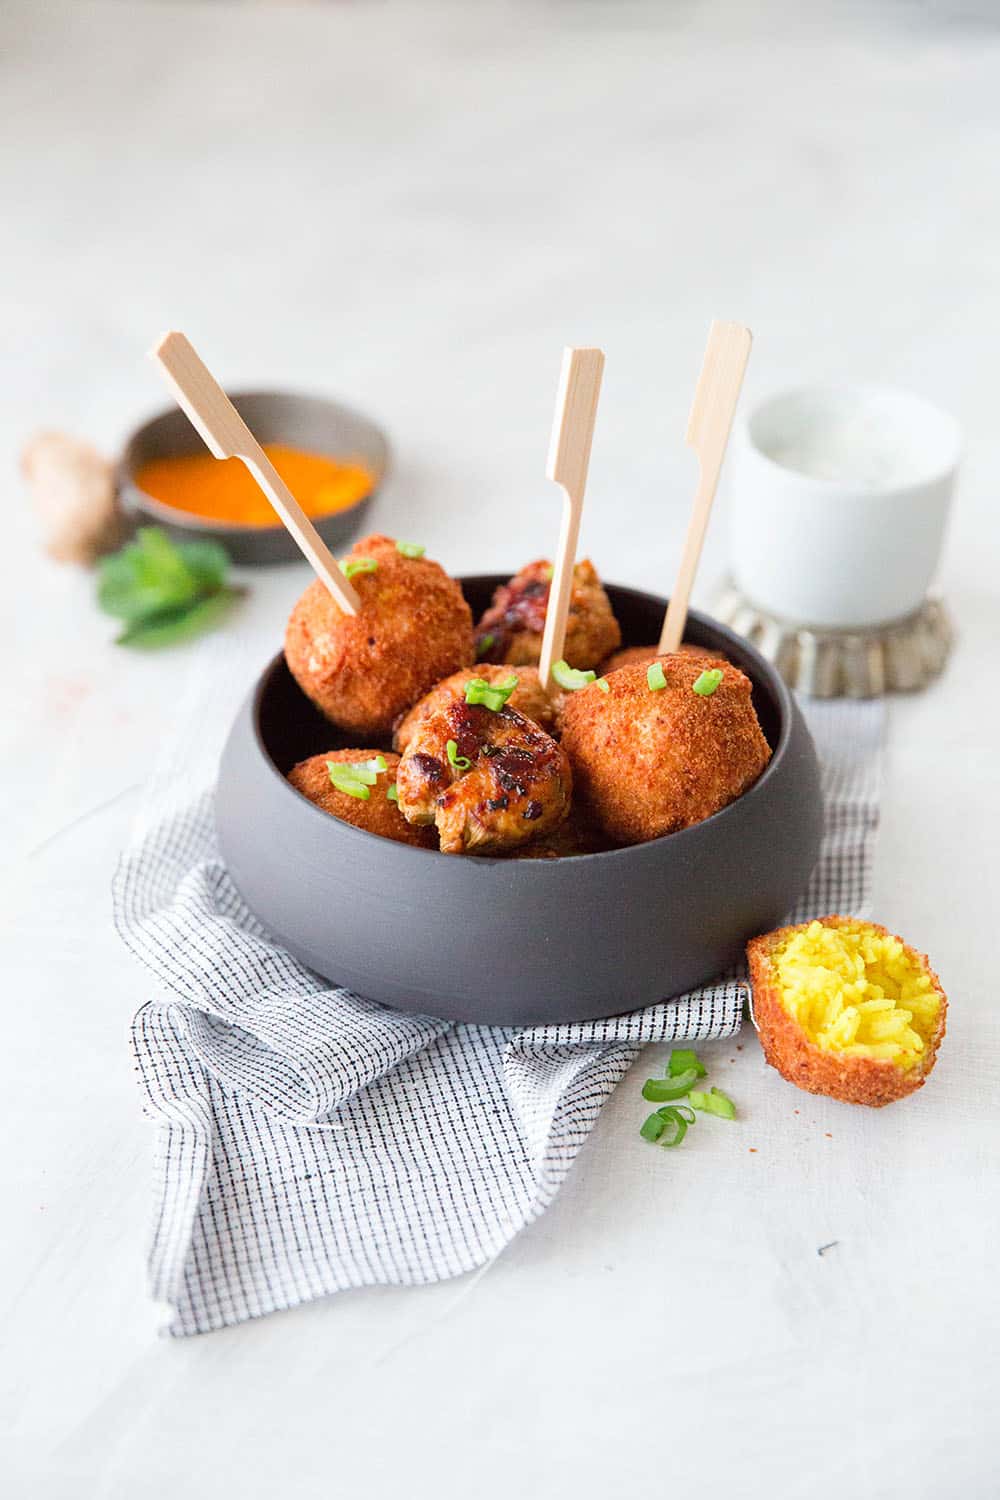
(779, 689)
(135, 498)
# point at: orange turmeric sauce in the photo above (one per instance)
(223, 489)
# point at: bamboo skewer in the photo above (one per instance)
(228, 436)
(709, 424)
(569, 459)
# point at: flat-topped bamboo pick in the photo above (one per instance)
(712, 412)
(228, 436)
(569, 459)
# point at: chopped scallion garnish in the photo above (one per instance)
(460, 762)
(656, 1090)
(569, 678)
(352, 565)
(483, 645)
(604, 684)
(683, 1058)
(654, 677)
(492, 695)
(354, 777)
(392, 792)
(410, 549)
(706, 684)
(675, 1125)
(713, 1103)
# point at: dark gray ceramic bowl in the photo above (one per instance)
(517, 941)
(273, 416)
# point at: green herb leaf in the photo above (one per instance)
(354, 565)
(169, 627)
(569, 678)
(164, 591)
(683, 1058)
(604, 684)
(714, 1103)
(410, 549)
(706, 684)
(151, 574)
(460, 762)
(656, 1090)
(492, 695)
(654, 676)
(484, 645)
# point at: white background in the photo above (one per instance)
(415, 207)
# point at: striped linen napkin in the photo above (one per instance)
(309, 1140)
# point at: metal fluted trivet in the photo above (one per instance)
(902, 656)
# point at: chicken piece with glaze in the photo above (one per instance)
(491, 780)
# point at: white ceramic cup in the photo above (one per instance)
(840, 495)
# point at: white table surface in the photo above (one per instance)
(415, 207)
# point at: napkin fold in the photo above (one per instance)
(309, 1140)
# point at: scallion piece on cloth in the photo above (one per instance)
(654, 677)
(675, 1125)
(683, 1058)
(713, 1103)
(652, 1127)
(657, 1090)
(706, 684)
(492, 695)
(354, 777)
(352, 565)
(460, 762)
(410, 549)
(569, 678)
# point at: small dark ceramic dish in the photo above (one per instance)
(510, 942)
(309, 422)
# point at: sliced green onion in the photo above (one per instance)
(352, 565)
(460, 762)
(569, 678)
(604, 684)
(547, 573)
(392, 792)
(706, 684)
(654, 677)
(355, 776)
(714, 1103)
(486, 643)
(410, 549)
(683, 1058)
(656, 1090)
(675, 1126)
(652, 1127)
(492, 695)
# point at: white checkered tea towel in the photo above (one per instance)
(308, 1140)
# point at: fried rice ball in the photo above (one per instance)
(651, 761)
(489, 780)
(847, 1009)
(374, 813)
(413, 628)
(529, 698)
(644, 654)
(511, 629)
